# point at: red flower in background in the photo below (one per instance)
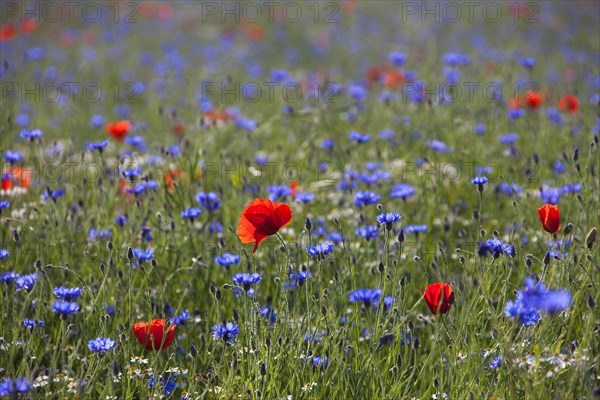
(550, 217)
(261, 219)
(294, 187)
(29, 26)
(6, 182)
(533, 99)
(569, 103)
(154, 335)
(118, 129)
(7, 32)
(439, 297)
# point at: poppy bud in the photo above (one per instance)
(401, 236)
(547, 258)
(568, 228)
(308, 224)
(590, 238)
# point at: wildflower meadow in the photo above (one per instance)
(299, 200)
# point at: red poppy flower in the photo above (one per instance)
(569, 103)
(178, 129)
(550, 217)
(29, 26)
(393, 79)
(533, 99)
(7, 32)
(439, 297)
(294, 187)
(118, 129)
(6, 183)
(262, 218)
(153, 335)
(514, 103)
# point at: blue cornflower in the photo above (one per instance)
(96, 234)
(528, 62)
(452, 58)
(515, 114)
(143, 254)
(479, 180)
(227, 259)
(9, 277)
(137, 142)
(173, 151)
(53, 194)
(304, 197)
(559, 167)
(496, 362)
(146, 234)
(388, 302)
(4, 204)
(496, 247)
(402, 190)
(98, 146)
(363, 198)
(13, 157)
(26, 282)
(130, 173)
(508, 189)
(386, 134)
(32, 323)
(245, 279)
(180, 318)
(527, 316)
(11, 387)
(571, 188)
(97, 121)
(121, 220)
(227, 332)
(261, 159)
(209, 201)
(397, 58)
(357, 92)
(358, 137)
(297, 279)
(415, 229)
(320, 361)
(555, 116)
(67, 293)
(367, 232)
(550, 195)
(534, 298)
(320, 249)
(279, 192)
(246, 124)
(65, 307)
(439, 146)
(366, 296)
(101, 345)
(215, 227)
(22, 119)
(191, 213)
(388, 218)
(168, 386)
(31, 135)
(327, 144)
(4, 254)
(335, 237)
(480, 129)
(268, 314)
